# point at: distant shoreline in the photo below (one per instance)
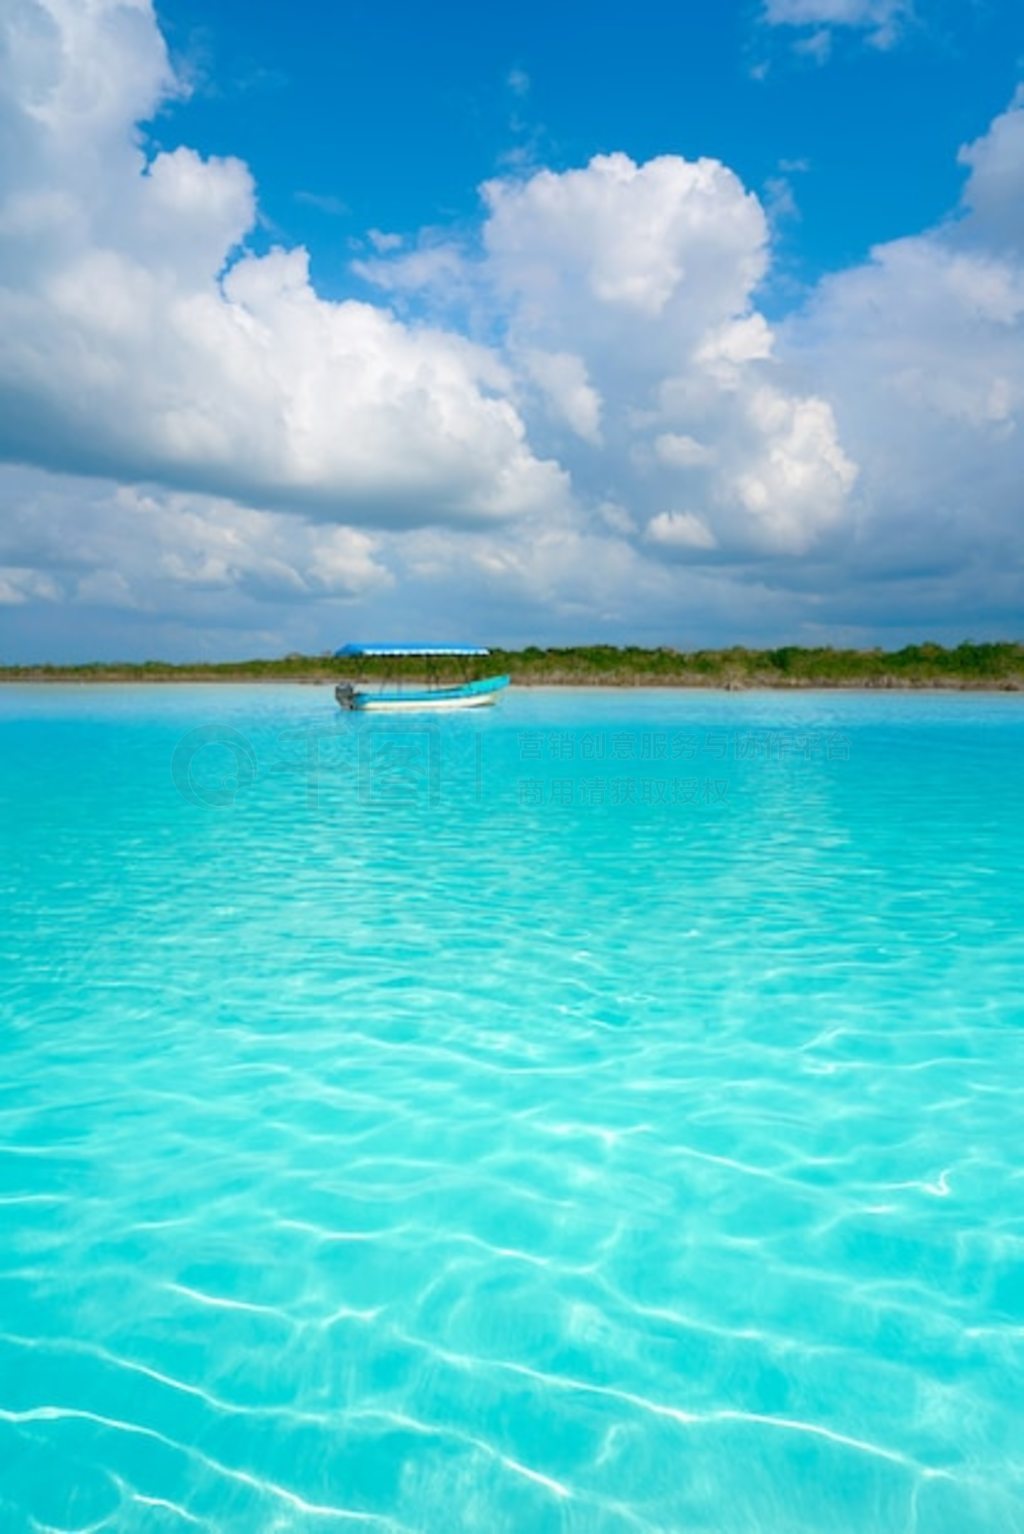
(568, 685)
(577, 684)
(969, 667)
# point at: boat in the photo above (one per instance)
(433, 695)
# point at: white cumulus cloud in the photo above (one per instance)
(562, 379)
(137, 338)
(645, 276)
(576, 415)
(680, 530)
(995, 189)
(635, 239)
(921, 349)
(156, 547)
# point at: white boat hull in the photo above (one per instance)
(443, 699)
(421, 705)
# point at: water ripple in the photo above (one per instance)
(459, 1158)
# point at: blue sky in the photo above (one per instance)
(395, 113)
(682, 324)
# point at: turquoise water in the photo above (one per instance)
(601, 1114)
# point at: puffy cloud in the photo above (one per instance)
(634, 284)
(796, 480)
(921, 349)
(19, 585)
(680, 530)
(679, 451)
(82, 541)
(137, 340)
(631, 445)
(142, 341)
(562, 379)
(82, 71)
(559, 577)
(636, 240)
(186, 575)
(995, 189)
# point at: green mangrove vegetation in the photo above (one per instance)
(967, 665)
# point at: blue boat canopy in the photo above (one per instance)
(409, 649)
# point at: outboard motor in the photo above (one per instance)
(346, 695)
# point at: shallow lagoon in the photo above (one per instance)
(599, 1114)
